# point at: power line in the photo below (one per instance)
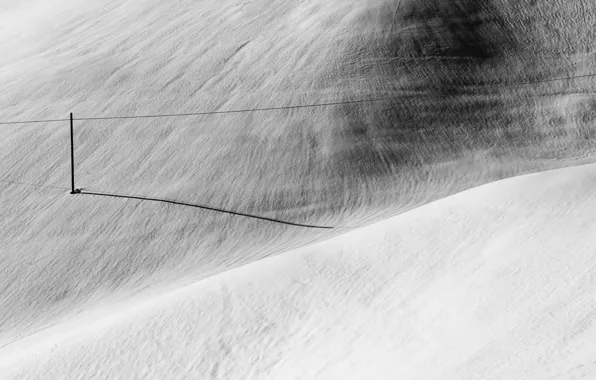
(201, 113)
(235, 111)
(277, 108)
(568, 78)
(540, 81)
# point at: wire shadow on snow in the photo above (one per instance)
(35, 185)
(235, 213)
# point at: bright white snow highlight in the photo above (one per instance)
(492, 283)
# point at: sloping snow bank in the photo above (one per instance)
(493, 283)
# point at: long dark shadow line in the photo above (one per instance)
(203, 207)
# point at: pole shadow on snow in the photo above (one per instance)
(235, 213)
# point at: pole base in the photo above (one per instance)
(76, 191)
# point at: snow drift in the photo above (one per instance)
(495, 282)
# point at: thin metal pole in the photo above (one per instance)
(73, 191)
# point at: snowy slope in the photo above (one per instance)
(135, 57)
(492, 283)
(61, 255)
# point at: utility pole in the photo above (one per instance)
(73, 190)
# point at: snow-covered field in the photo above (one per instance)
(493, 282)
(496, 282)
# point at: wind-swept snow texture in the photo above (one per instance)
(496, 282)
(458, 115)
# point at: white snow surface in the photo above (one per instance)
(492, 283)
(496, 282)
